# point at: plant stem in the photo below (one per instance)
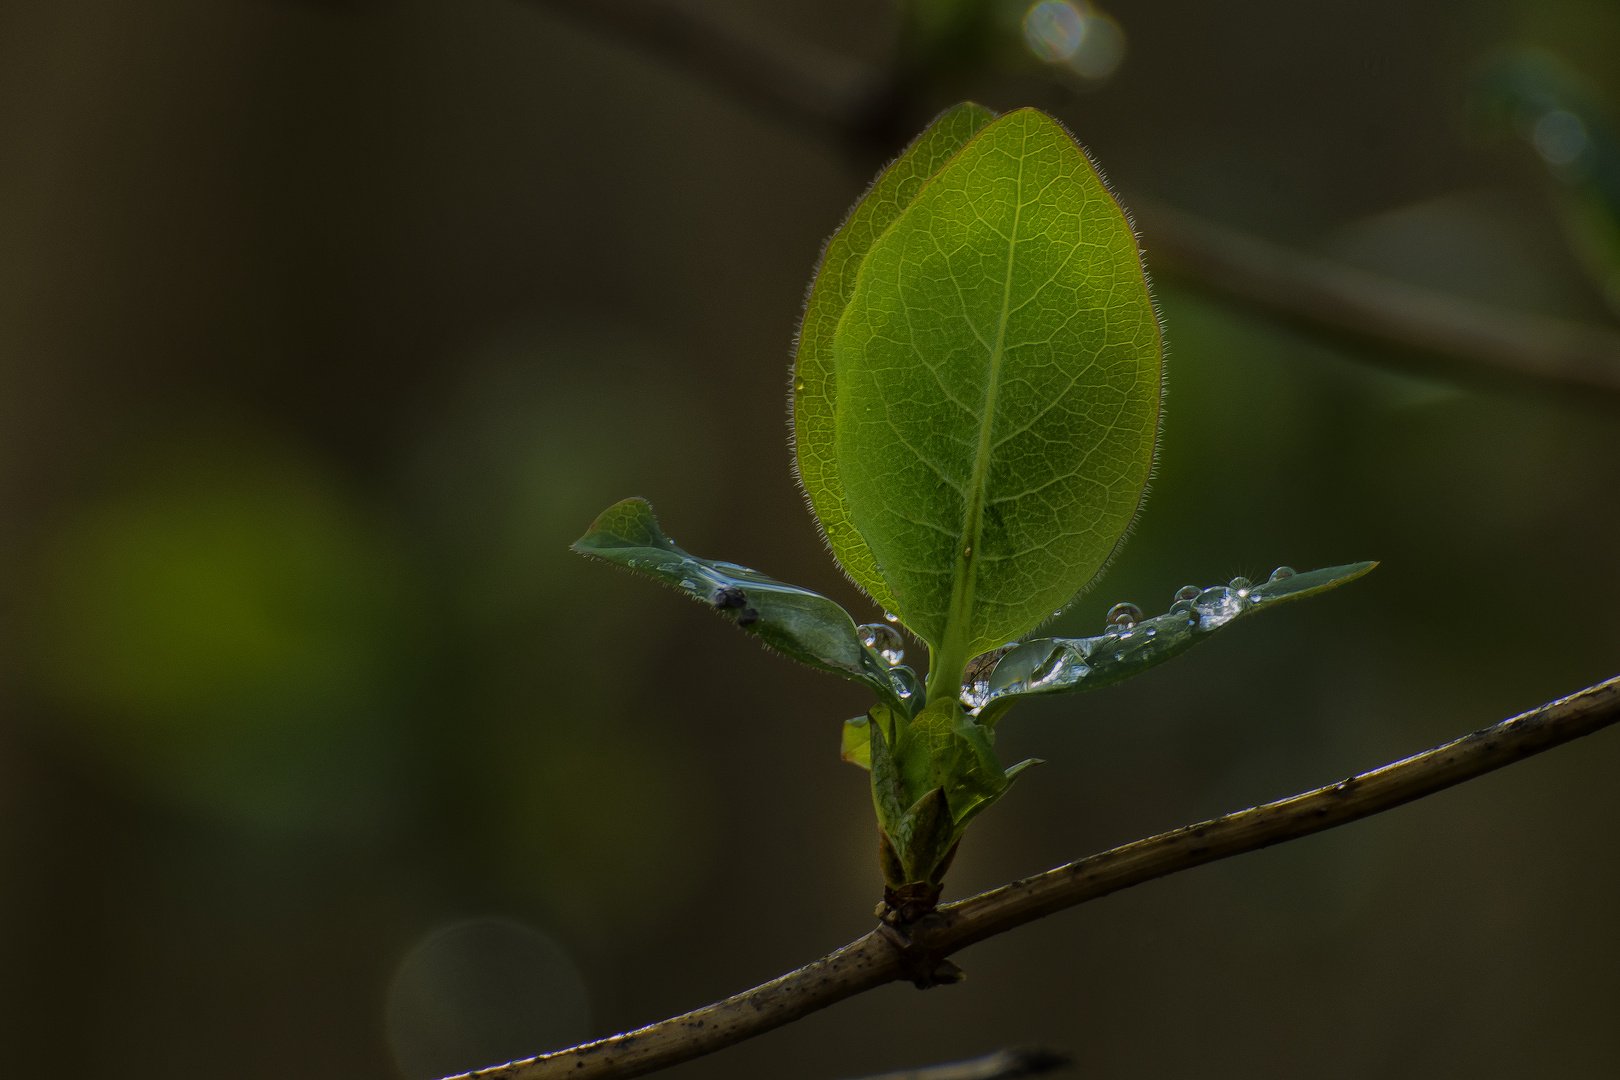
(917, 951)
(1010, 1064)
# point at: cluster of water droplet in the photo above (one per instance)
(885, 639)
(1069, 661)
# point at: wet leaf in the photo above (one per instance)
(814, 386)
(796, 622)
(1068, 665)
(998, 375)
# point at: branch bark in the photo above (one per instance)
(918, 951)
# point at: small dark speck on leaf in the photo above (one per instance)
(728, 596)
(748, 617)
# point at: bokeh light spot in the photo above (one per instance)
(1559, 137)
(1101, 49)
(1054, 30)
(1078, 36)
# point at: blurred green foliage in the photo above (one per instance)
(229, 626)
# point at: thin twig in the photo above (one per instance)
(1373, 308)
(810, 88)
(792, 81)
(918, 951)
(1010, 1064)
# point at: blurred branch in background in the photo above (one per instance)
(1010, 1064)
(1320, 292)
(792, 81)
(918, 951)
(811, 88)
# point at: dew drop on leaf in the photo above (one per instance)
(891, 617)
(885, 639)
(1282, 572)
(1238, 583)
(1123, 617)
(976, 694)
(1187, 592)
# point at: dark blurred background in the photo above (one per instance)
(325, 325)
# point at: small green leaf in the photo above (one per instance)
(814, 386)
(857, 743)
(945, 748)
(803, 625)
(931, 775)
(998, 375)
(1068, 665)
(889, 794)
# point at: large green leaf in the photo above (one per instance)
(1067, 665)
(797, 622)
(998, 375)
(814, 386)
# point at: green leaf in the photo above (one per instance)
(945, 748)
(814, 385)
(998, 374)
(1068, 665)
(931, 775)
(856, 747)
(803, 625)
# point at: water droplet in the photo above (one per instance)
(1149, 632)
(885, 639)
(976, 694)
(967, 553)
(798, 384)
(1239, 583)
(1122, 617)
(891, 617)
(1282, 572)
(1188, 592)
(1119, 656)
(1218, 605)
(688, 584)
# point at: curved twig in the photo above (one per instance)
(1010, 1064)
(917, 951)
(793, 81)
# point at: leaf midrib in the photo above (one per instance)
(945, 675)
